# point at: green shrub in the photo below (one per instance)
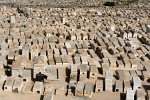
(109, 4)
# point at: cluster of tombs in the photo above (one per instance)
(83, 51)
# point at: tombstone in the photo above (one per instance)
(121, 50)
(108, 81)
(27, 74)
(16, 68)
(130, 94)
(92, 53)
(64, 20)
(84, 46)
(48, 33)
(40, 41)
(97, 63)
(91, 61)
(109, 44)
(121, 42)
(28, 87)
(99, 13)
(64, 60)
(4, 8)
(25, 51)
(127, 85)
(18, 85)
(38, 87)
(43, 54)
(105, 54)
(70, 51)
(135, 35)
(93, 72)
(89, 88)
(70, 60)
(120, 64)
(61, 74)
(83, 72)
(112, 62)
(144, 58)
(112, 27)
(73, 73)
(11, 56)
(140, 94)
(63, 51)
(144, 50)
(51, 60)
(34, 50)
(80, 88)
(119, 86)
(136, 83)
(9, 84)
(73, 36)
(133, 73)
(48, 96)
(135, 53)
(56, 51)
(84, 36)
(130, 35)
(71, 89)
(61, 89)
(52, 45)
(127, 74)
(105, 60)
(73, 46)
(78, 36)
(12, 19)
(94, 46)
(99, 85)
(121, 75)
(77, 60)
(52, 73)
(70, 92)
(105, 67)
(127, 63)
(38, 71)
(58, 61)
(79, 46)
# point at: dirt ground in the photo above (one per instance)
(107, 96)
(96, 96)
(18, 96)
